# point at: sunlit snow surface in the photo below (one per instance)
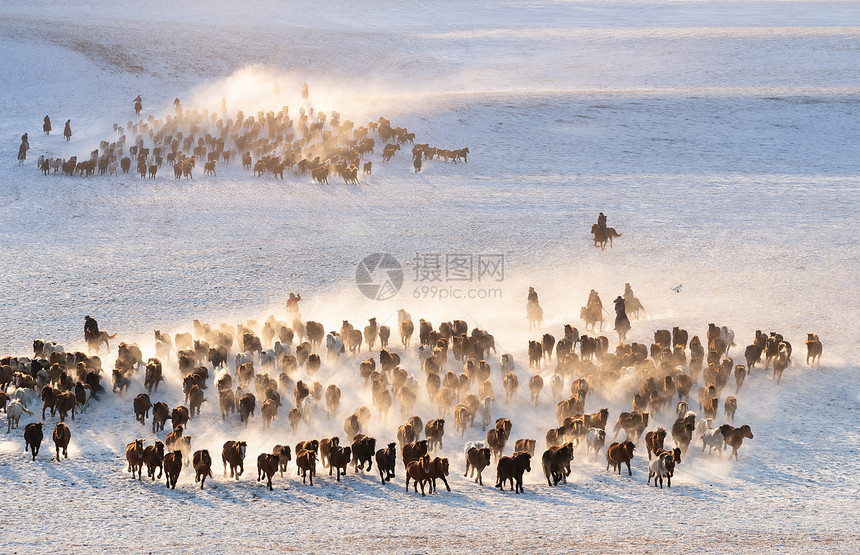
(720, 138)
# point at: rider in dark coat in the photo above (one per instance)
(91, 328)
(622, 323)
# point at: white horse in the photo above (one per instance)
(267, 359)
(728, 336)
(308, 408)
(703, 426)
(556, 385)
(595, 440)
(52, 347)
(23, 395)
(242, 358)
(714, 440)
(14, 410)
(486, 410)
(282, 349)
(334, 346)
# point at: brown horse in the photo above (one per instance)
(813, 350)
(618, 454)
(94, 342)
(592, 315)
(534, 313)
(604, 235)
(734, 437)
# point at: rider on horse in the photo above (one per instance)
(534, 312)
(293, 302)
(91, 329)
(628, 293)
(594, 300)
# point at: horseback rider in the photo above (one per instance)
(138, 105)
(620, 310)
(177, 106)
(622, 322)
(67, 132)
(601, 221)
(628, 293)
(46, 127)
(25, 141)
(91, 328)
(293, 302)
(594, 300)
(534, 312)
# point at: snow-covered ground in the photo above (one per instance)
(720, 138)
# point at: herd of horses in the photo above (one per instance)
(274, 368)
(316, 144)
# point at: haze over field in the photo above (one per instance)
(720, 138)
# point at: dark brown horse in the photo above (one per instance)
(604, 235)
(618, 454)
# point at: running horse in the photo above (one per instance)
(534, 313)
(592, 314)
(604, 235)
